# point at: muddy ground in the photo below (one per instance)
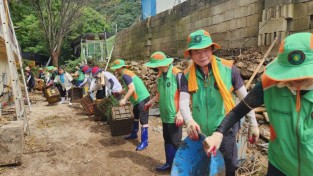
(65, 141)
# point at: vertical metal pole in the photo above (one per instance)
(106, 44)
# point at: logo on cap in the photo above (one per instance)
(197, 38)
(296, 57)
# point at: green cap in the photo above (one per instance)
(50, 67)
(118, 63)
(294, 60)
(199, 39)
(158, 59)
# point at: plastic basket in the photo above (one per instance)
(106, 105)
(76, 94)
(52, 95)
(87, 104)
(121, 120)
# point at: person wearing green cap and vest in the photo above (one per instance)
(286, 89)
(138, 95)
(211, 83)
(168, 96)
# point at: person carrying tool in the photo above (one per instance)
(286, 89)
(168, 96)
(65, 80)
(107, 81)
(138, 95)
(211, 83)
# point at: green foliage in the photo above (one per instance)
(100, 15)
(30, 37)
(121, 12)
(71, 64)
(28, 32)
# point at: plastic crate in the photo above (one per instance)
(98, 115)
(121, 120)
(106, 105)
(87, 104)
(76, 94)
(52, 95)
(39, 85)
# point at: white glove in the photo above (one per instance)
(122, 102)
(253, 134)
(212, 143)
(193, 130)
(179, 121)
(109, 91)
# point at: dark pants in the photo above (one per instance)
(172, 134)
(63, 92)
(139, 113)
(100, 93)
(229, 150)
(273, 171)
(29, 89)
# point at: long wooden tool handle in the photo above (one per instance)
(261, 63)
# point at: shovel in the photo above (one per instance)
(191, 159)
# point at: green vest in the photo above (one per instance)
(291, 146)
(141, 91)
(207, 103)
(81, 76)
(169, 95)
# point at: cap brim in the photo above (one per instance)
(119, 66)
(279, 72)
(186, 53)
(163, 63)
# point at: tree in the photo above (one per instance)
(57, 18)
(121, 12)
(90, 22)
(27, 27)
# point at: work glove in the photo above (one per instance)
(147, 106)
(193, 130)
(212, 143)
(122, 102)
(109, 92)
(179, 121)
(253, 131)
(253, 134)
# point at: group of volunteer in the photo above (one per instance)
(202, 97)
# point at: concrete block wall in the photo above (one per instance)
(280, 20)
(234, 24)
(231, 23)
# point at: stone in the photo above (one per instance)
(11, 142)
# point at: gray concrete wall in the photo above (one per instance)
(230, 22)
(234, 24)
(280, 20)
